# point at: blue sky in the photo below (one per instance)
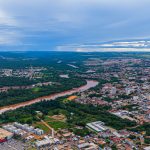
(55, 24)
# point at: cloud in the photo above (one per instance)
(9, 38)
(5, 19)
(46, 24)
(8, 33)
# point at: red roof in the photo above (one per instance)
(2, 140)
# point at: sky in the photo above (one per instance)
(61, 24)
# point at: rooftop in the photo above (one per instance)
(4, 133)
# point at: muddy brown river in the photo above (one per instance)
(89, 84)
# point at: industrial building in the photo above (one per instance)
(87, 146)
(22, 129)
(96, 126)
(28, 128)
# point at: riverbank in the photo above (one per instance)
(89, 84)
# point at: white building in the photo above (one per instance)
(147, 148)
(44, 144)
(128, 91)
(96, 126)
(113, 90)
(87, 146)
(38, 131)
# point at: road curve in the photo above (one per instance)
(89, 84)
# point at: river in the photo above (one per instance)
(89, 84)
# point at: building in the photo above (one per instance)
(38, 131)
(5, 135)
(14, 130)
(87, 146)
(148, 96)
(128, 91)
(28, 128)
(113, 90)
(96, 126)
(147, 148)
(22, 129)
(44, 144)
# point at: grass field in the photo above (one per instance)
(58, 125)
(36, 89)
(58, 122)
(47, 119)
(42, 126)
